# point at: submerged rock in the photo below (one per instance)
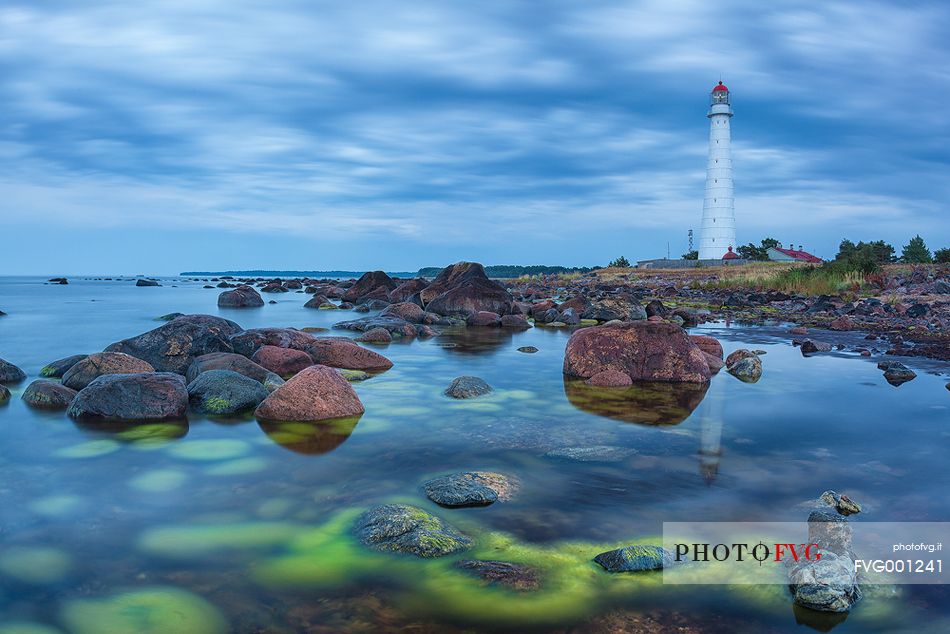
(467, 387)
(156, 610)
(225, 392)
(408, 529)
(747, 369)
(173, 346)
(95, 365)
(133, 397)
(470, 488)
(514, 576)
(644, 350)
(528, 349)
(58, 368)
(240, 297)
(9, 373)
(595, 453)
(315, 393)
(635, 559)
(45, 394)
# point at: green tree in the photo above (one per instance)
(690, 255)
(916, 252)
(620, 263)
(865, 254)
(942, 256)
(758, 253)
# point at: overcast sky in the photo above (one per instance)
(168, 135)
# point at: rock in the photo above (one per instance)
(225, 392)
(282, 361)
(842, 503)
(736, 355)
(918, 310)
(515, 322)
(4, 394)
(610, 378)
(315, 393)
(644, 350)
(483, 318)
(464, 289)
(810, 347)
(368, 282)
(467, 387)
(9, 373)
(58, 280)
(45, 394)
(841, 323)
(145, 282)
(275, 286)
(746, 369)
(375, 335)
(514, 576)
(595, 453)
(635, 559)
(173, 346)
(798, 330)
(340, 352)
(407, 289)
(247, 342)
(471, 488)
(408, 529)
(896, 373)
(241, 297)
(569, 317)
(623, 306)
(95, 365)
(407, 311)
(226, 361)
(318, 301)
(715, 363)
(532, 350)
(709, 345)
(132, 397)
(655, 308)
(827, 585)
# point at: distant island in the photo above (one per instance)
(495, 270)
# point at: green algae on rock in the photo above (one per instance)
(158, 480)
(186, 541)
(89, 449)
(408, 529)
(635, 558)
(156, 610)
(24, 627)
(35, 565)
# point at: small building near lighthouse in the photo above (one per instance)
(718, 229)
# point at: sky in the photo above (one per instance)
(168, 135)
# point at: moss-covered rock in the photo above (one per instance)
(408, 529)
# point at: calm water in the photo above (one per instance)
(228, 526)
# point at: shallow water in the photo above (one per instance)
(245, 528)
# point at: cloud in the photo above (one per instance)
(437, 124)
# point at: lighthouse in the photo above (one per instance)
(718, 234)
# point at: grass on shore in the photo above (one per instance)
(794, 279)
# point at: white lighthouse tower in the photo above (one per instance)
(718, 234)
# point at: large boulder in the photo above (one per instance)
(100, 363)
(173, 346)
(9, 373)
(241, 297)
(282, 361)
(319, 301)
(315, 393)
(340, 352)
(408, 311)
(369, 282)
(408, 529)
(248, 341)
(225, 392)
(644, 350)
(56, 369)
(464, 289)
(132, 397)
(46, 394)
(407, 289)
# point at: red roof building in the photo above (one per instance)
(730, 254)
(778, 254)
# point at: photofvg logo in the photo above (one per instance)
(826, 548)
(743, 552)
